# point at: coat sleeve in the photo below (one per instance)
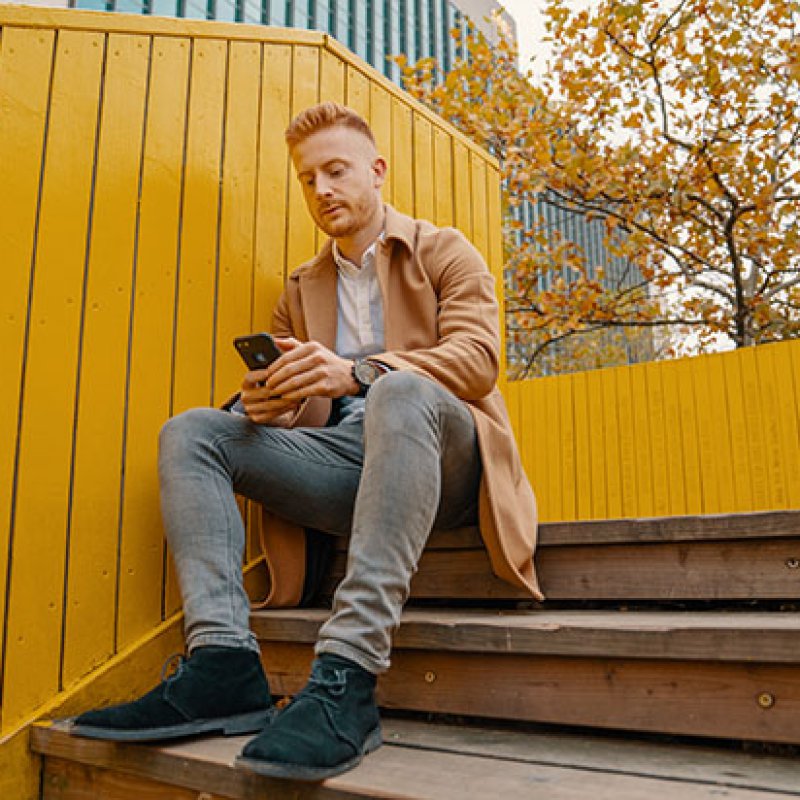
(466, 358)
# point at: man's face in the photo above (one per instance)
(341, 174)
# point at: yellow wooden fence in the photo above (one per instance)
(148, 214)
(709, 435)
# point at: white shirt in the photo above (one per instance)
(359, 320)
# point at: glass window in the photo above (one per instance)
(225, 10)
(322, 13)
(94, 5)
(277, 13)
(165, 8)
(195, 9)
(342, 9)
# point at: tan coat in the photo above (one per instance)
(441, 321)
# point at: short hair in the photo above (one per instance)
(325, 115)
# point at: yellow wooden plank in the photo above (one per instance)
(716, 399)
(94, 524)
(567, 449)
(611, 449)
(627, 443)
(759, 471)
(693, 480)
(331, 78)
(25, 61)
(788, 408)
(358, 91)
(142, 582)
(423, 169)
(534, 433)
(706, 441)
(443, 177)
(674, 440)
(35, 611)
(740, 457)
(237, 219)
(461, 189)
(583, 473)
(641, 427)
(598, 454)
(274, 176)
(658, 439)
(774, 384)
(301, 231)
(480, 227)
(402, 157)
(380, 120)
(512, 399)
(194, 335)
(551, 493)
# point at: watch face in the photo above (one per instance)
(366, 372)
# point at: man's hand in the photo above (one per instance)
(309, 369)
(306, 369)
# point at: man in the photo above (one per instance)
(396, 323)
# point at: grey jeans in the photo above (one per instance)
(386, 481)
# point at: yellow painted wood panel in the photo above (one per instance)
(598, 452)
(25, 61)
(583, 442)
(480, 220)
(443, 178)
(424, 196)
(690, 437)
(402, 157)
(740, 457)
(462, 184)
(755, 426)
(95, 496)
(566, 449)
(629, 472)
(658, 439)
(194, 335)
(331, 77)
(358, 91)
(611, 452)
(273, 184)
(237, 215)
(35, 612)
(645, 506)
(380, 120)
(301, 236)
(787, 397)
(551, 494)
(773, 387)
(717, 401)
(143, 565)
(496, 265)
(673, 425)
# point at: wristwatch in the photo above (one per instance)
(365, 373)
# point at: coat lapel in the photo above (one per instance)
(318, 298)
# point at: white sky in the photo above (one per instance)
(530, 29)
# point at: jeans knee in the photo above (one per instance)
(184, 435)
(401, 395)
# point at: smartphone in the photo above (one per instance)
(258, 350)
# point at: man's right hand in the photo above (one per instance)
(260, 407)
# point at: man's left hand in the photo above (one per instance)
(309, 369)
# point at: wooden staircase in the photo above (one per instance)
(684, 626)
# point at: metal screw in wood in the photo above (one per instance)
(766, 700)
(430, 677)
(793, 563)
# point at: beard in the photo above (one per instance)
(349, 218)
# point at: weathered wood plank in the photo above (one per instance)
(698, 698)
(757, 637)
(421, 761)
(727, 569)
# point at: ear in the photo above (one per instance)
(379, 170)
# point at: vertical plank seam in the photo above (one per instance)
(220, 201)
(25, 343)
(288, 165)
(256, 184)
(79, 361)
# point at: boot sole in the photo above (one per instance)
(302, 772)
(252, 722)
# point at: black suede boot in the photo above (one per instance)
(216, 690)
(326, 730)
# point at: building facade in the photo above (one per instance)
(376, 30)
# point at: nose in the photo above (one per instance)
(322, 186)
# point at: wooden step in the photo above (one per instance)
(719, 674)
(732, 557)
(423, 761)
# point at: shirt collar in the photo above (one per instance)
(348, 266)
